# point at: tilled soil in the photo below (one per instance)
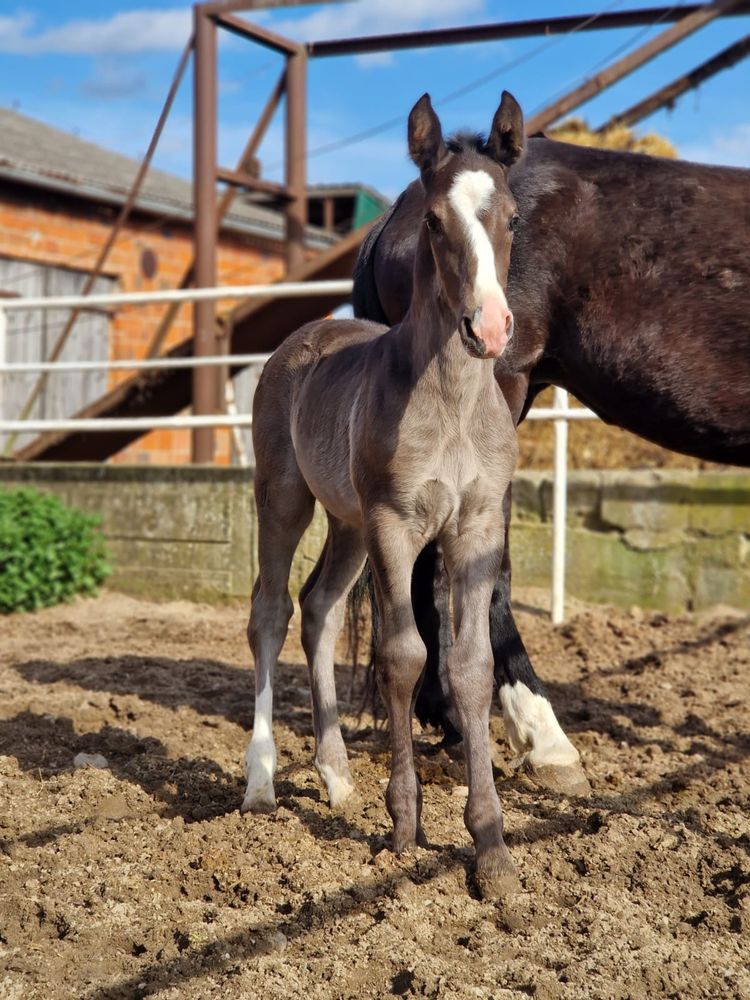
(142, 879)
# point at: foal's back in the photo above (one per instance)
(303, 406)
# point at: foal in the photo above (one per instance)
(404, 437)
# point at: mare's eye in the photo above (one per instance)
(432, 222)
(513, 223)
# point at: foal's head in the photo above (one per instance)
(469, 219)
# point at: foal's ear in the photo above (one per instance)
(426, 146)
(506, 140)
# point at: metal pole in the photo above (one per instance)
(225, 203)
(559, 507)
(204, 197)
(296, 110)
(600, 81)
(539, 27)
(666, 96)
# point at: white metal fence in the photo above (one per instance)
(560, 412)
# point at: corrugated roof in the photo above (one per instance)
(39, 155)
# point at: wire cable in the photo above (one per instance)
(454, 95)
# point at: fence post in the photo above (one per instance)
(205, 381)
(559, 507)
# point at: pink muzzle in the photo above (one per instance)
(492, 324)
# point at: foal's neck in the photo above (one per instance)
(437, 357)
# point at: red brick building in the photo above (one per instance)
(59, 196)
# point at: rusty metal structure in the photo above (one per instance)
(261, 326)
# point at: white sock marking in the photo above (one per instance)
(532, 726)
(339, 789)
(260, 756)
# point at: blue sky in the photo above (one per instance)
(101, 68)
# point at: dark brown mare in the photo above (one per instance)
(404, 437)
(630, 287)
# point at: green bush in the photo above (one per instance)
(48, 551)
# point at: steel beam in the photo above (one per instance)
(255, 33)
(228, 6)
(241, 179)
(296, 113)
(205, 396)
(641, 17)
(632, 61)
(225, 203)
(666, 96)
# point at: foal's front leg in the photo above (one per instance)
(400, 657)
(472, 565)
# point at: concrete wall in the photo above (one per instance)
(670, 540)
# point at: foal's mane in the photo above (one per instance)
(467, 142)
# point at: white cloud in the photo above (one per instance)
(113, 78)
(730, 148)
(367, 18)
(166, 29)
(129, 31)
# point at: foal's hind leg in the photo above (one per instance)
(284, 511)
(323, 609)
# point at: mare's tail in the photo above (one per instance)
(430, 601)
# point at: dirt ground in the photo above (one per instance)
(142, 879)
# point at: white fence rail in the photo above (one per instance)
(560, 412)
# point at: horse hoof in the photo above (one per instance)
(343, 796)
(340, 787)
(260, 800)
(566, 779)
(403, 843)
(496, 875)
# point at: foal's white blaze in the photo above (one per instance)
(470, 192)
(531, 725)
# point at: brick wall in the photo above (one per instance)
(54, 229)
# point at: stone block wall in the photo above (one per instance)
(673, 540)
(669, 540)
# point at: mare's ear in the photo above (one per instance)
(506, 140)
(426, 146)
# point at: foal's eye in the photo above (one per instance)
(513, 223)
(432, 222)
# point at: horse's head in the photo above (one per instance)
(469, 218)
